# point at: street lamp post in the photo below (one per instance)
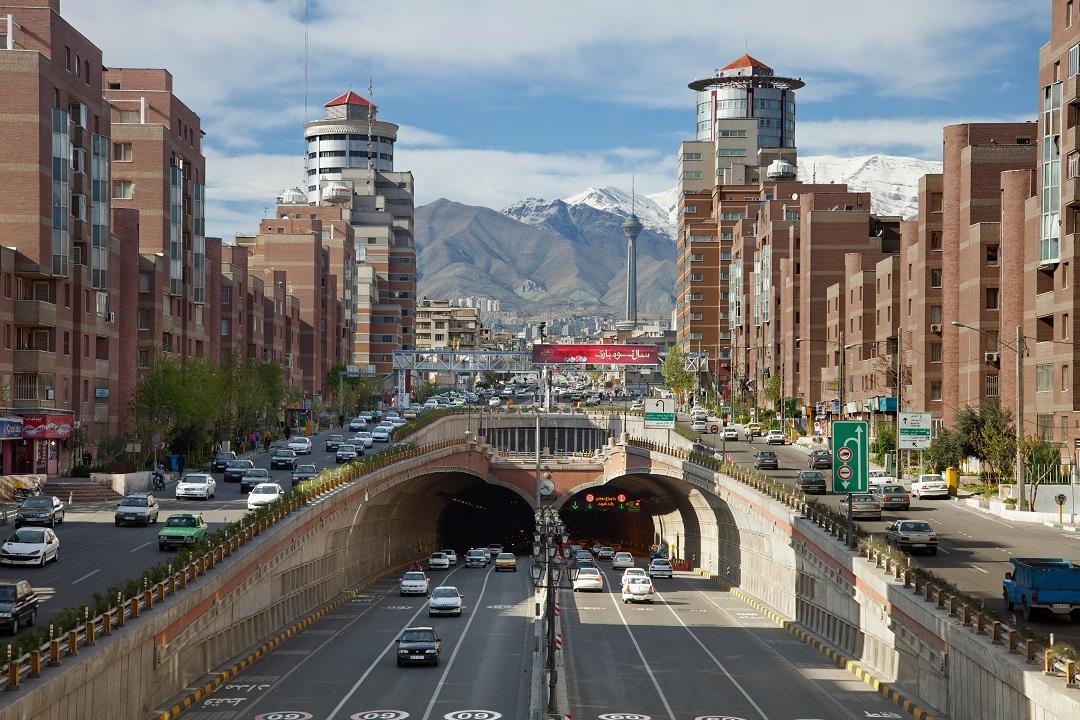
(549, 537)
(1018, 349)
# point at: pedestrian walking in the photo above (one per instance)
(266, 441)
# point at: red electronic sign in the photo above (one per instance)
(597, 354)
(589, 497)
(621, 497)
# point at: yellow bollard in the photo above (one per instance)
(35, 664)
(73, 643)
(54, 652)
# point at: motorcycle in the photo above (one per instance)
(24, 488)
(158, 480)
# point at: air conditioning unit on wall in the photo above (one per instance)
(935, 328)
(991, 357)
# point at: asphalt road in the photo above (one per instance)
(95, 554)
(344, 666)
(699, 652)
(974, 546)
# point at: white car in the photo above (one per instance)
(622, 560)
(357, 424)
(633, 572)
(263, 494)
(589, 578)
(196, 485)
(438, 561)
(300, 445)
(398, 421)
(445, 600)
(451, 555)
(637, 589)
(494, 402)
(637, 405)
(930, 485)
(380, 435)
(660, 567)
(363, 438)
(698, 426)
(414, 583)
(731, 433)
(775, 437)
(30, 546)
(431, 403)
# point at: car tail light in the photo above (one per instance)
(905, 538)
(650, 588)
(933, 538)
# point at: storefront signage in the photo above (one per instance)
(597, 354)
(46, 426)
(11, 428)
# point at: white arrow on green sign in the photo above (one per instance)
(851, 456)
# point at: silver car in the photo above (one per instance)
(444, 600)
(138, 509)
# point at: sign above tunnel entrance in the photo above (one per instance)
(593, 501)
(596, 354)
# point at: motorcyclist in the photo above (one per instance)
(749, 437)
(416, 567)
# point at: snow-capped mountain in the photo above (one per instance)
(893, 184)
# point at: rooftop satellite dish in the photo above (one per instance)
(794, 196)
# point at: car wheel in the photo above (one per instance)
(399, 663)
(32, 619)
(1026, 610)
(61, 519)
(933, 551)
(1008, 603)
(43, 558)
(56, 558)
(117, 523)
(15, 625)
(436, 661)
(52, 522)
(161, 546)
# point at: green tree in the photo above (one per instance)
(971, 423)
(772, 391)
(947, 449)
(676, 377)
(996, 446)
(885, 441)
(1041, 463)
(425, 390)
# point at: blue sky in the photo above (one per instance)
(500, 100)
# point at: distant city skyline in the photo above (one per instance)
(545, 102)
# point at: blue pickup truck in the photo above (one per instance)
(1038, 584)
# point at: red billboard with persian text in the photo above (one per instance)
(46, 426)
(596, 354)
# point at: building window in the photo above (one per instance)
(129, 116)
(1065, 326)
(691, 156)
(935, 202)
(1064, 377)
(123, 190)
(144, 358)
(992, 255)
(935, 390)
(144, 282)
(935, 240)
(691, 175)
(694, 257)
(695, 277)
(935, 278)
(144, 320)
(121, 152)
(67, 343)
(935, 352)
(991, 298)
(225, 327)
(1044, 378)
(226, 296)
(991, 386)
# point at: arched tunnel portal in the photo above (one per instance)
(460, 509)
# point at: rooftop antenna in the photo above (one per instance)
(370, 123)
(307, 4)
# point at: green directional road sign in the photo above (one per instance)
(851, 456)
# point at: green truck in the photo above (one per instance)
(182, 530)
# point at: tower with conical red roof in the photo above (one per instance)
(748, 89)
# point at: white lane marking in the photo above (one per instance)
(974, 567)
(984, 516)
(719, 664)
(450, 663)
(92, 572)
(393, 644)
(641, 655)
(942, 550)
(140, 547)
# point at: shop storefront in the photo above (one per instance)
(44, 436)
(11, 432)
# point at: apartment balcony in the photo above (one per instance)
(1070, 93)
(34, 361)
(1070, 196)
(34, 313)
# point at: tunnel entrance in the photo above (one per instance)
(480, 514)
(610, 514)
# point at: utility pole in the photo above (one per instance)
(899, 395)
(1020, 413)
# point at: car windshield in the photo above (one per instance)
(438, 556)
(444, 592)
(305, 469)
(265, 490)
(862, 498)
(257, 472)
(769, 454)
(916, 527)
(414, 636)
(7, 593)
(413, 576)
(196, 479)
(660, 561)
(592, 572)
(346, 448)
(180, 522)
(224, 456)
(892, 490)
(506, 556)
(240, 463)
(38, 503)
(283, 451)
(24, 535)
(637, 580)
(812, 475)
(336, 437)
(135, 502)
